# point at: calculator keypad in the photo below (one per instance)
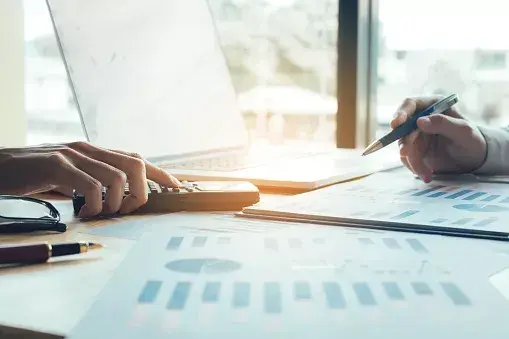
(154, 187)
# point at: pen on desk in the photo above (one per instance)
(41, 252)
(410, 124)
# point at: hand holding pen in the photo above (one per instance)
(434, 138)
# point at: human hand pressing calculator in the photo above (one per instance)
(192, 196)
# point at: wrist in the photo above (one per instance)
(496, 157)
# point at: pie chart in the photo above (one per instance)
(481, 208)
(203, 265)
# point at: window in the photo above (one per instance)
(449, 46)
(282, 58)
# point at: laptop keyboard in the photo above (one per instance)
(230, 162)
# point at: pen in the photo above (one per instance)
(410, 124)
(41, 252)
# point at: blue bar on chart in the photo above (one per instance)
(485, 222)
(272, 297)
(405, 214)
(294, 243)
(364, 294)
(223, 240)
(179, 296)
(491, 198)
(211, 292)
(241, 291)
(455, 294)
(301, 290)
(437, 194)
(271, 244)
(393, 291)
(474, 196)
(438, 221)
(458, 194)
(417, 245)
(421, 288)
(428, 190)
(174, 243)
(463, 221)
(199, 241)
(407, 191)
(391, 243)
(334, 295)
(150, 291)
(366, 241)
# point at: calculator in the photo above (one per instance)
(191, 196)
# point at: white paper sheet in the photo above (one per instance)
(399, 200)
(302, 282)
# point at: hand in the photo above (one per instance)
(443, 143)
(85, 168)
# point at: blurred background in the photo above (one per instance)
(282, 57)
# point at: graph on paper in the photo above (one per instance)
(313, 281)
(394, 199)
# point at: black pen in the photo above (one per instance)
(410, 124)
(41, 252)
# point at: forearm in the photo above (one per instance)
(497, 157)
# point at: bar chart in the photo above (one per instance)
(436, 191)
(386, 201)
(278, 296)
(274, 244)
(328, 278)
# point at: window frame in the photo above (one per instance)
(357, 48)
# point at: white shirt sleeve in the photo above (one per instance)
(497, 157)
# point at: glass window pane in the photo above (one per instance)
(446, 46)
(282, 58)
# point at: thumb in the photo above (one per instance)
(447, 126)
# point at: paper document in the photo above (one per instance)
(134, 228)
(401, 201)
(302, 282)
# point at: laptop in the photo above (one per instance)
(151, 77)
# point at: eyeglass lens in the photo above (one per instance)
(19, 208)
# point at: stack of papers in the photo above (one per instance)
(401, 202)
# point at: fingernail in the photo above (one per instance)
(126, 210)
(401, 115)
(107, 209)
(176, 181)
(426, 178)
(425, 122)
(129, 205)
(84, 212)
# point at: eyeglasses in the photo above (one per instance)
(25, 214)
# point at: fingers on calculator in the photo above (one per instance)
(191, 196)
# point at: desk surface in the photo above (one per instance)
(51, 297)
(48, 300)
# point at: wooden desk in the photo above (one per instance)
(48, 299)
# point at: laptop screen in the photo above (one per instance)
(148, 76)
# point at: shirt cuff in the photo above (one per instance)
(497, 156)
